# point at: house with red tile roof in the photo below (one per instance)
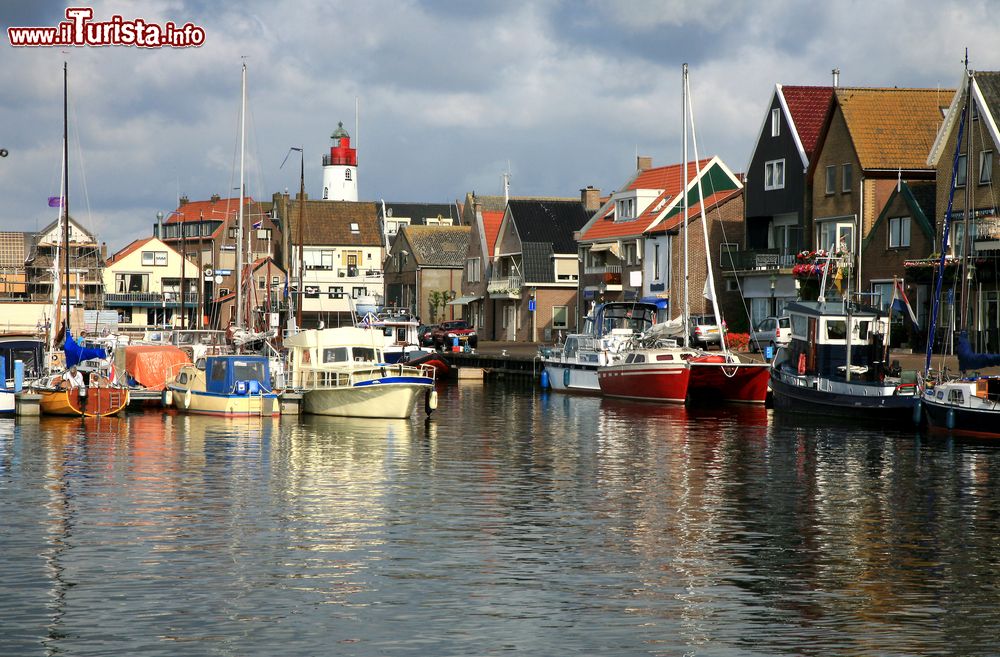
(628, 248)
(777, 197)
(264, 298)
(483, 214)
(208, 233)
(143, 284)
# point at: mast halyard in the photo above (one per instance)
(239, 221)
(65, 198)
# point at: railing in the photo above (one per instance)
(603, 269)
(505, 286)
(136, 298)
(337, 161)
(757, 259)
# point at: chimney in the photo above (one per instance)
(184, 200)
(216, 198)
(836, 77)
(643, 162)
(591, 198)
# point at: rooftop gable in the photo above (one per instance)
(548, 222)
(437, 246)
(986, 93)
(919, 198)
(335, 223)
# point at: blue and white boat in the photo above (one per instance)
(233, 385)
(30, 351)
(343, 372)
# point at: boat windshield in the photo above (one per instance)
(348, 354)
(249, 371)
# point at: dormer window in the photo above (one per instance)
(626, 209)
(355, 228)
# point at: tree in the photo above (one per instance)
(438, 299)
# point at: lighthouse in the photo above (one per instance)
(340, 168)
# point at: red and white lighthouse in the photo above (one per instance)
(340, 168)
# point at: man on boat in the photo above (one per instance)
(73, 378)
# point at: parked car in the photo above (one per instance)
(445, 333)
(704, 331)
(425, 335)
(771, 332)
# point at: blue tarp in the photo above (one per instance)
(969, 359)
(75, 353)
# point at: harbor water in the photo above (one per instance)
(512, 522)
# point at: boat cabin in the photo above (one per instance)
(633, 316)
(25, 348)
(226, 375)
(830, 340)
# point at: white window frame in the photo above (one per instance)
(840, 226)
(774, 174)
(985, 167)
(963, 170)
(776, 122)
(831, 179)
(847, 171)
(897, 232)
(565, 325)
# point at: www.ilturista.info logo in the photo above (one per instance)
(79, 30)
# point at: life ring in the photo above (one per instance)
(802, 363)
(187, 398)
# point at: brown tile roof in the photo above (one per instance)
(330, 223)
(808, 107)
(438, 246)
(893, 128)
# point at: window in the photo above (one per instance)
(835, 235)
(656, 262)
(355, 228)
(958, 236)
(263, 233)
(334, 291)
(262, 283)
(836, 329)
(154, 258)
(312, 291)
(881, 294)
(326, 193)
(831, 179)
(358, 292)
(347, 174)
(232, 233)
(472, 270)
(775, 122)
(899, 232)
(774, 174)
(846, 182)
(985, 167)
(223, 291)
(962, 172)
(560, 317)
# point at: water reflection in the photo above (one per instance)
(509, 521)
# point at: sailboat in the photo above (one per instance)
(968, 404)
(103, 395)
(719, 376)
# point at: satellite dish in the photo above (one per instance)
(218, 278)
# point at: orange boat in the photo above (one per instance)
(100, 401)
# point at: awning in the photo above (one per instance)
(464, 301)
(610, 246)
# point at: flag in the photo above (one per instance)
(906, 302)
(257, 225)
(55, 201)
(112, 374)
(708, 292)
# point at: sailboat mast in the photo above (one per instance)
(65, 198)
(239, 221)
(684, 201)
(704, 217)
(963, 322)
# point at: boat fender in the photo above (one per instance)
(566, 377)
(431, 401)
(168, 398)
(545, 380)
(949, 419)
(802, 363)
(187, 399)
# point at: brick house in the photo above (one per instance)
(424, 264)
(871, 139)
(483, 215)
(904, 231)
(977, 169)
(630, 247)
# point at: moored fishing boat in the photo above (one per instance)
(341, 371)
(231, 385)
(835, 365)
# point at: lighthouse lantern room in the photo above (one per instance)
(340, 168)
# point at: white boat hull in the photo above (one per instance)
(196, 401)
(575, 378)
(383, 400)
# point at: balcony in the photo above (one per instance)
(505, 287)
(757, 259)
(149, 299)
(603, 269)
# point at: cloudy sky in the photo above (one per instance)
(450, 91)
